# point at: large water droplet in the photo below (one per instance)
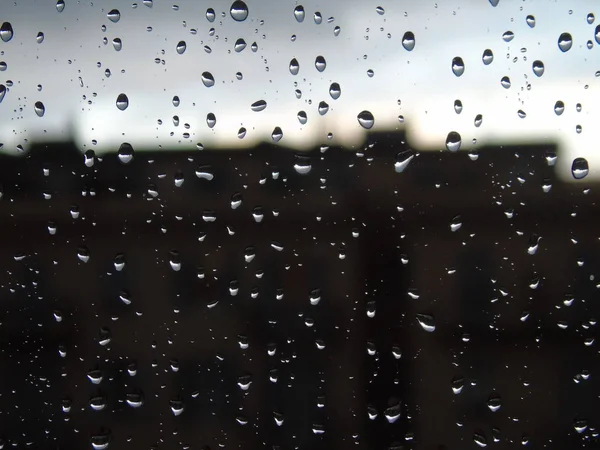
(565, 42)
(6, 32)
(458, 106)
(100, 441)
(453, 141)
(39, 108)
(508, 36)
(530, 20)
(392, 414)
(294, 66)
(207, 79)
(302, 117)
(580, 425)
(302, 165)
(299, 13)
(478, 120)
(590, 18)
(597, 34)
(117, 44)
(113, 15)
(538, 68)
(181, 46)
(380, 10)
(239, 11)
(427, 322)
(134, 399)
(210, 15)
(119, 262)
(479, 438)
(97, 403)
(335, 91)
(505, 82)
(494, 3)
(60, 5)
(83, 254)
(277, 134)
(320, 63)
(580, 168)
(559, 108)
(487, 57)
(366, 119)
(494, 403)
(323, 108)
(211, 120)
(177, 407)
(408, 41)
(239, 45)
(258, 106)
(458, 66)
(403, 159)
(458, 384)
(125, 153)
(122, 102)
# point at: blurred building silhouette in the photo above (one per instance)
(375, 246)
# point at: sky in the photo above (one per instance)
(67, 73)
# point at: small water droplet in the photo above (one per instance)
(239, 11)
(177, 407)
(335, 91)
(258, 106)
(565, 42)
(505, 82)
(6, 32)
(494, 403)
(380, 10)
(125, 153)
(408, 41)
(181, 46)
(456, 223)
(336, 31)
(211, 120)
(580, 425)
(458, 106)
(458, 384)
(60, 5)
(559, 107)
(366, 119)
(597, 34)
(40, 37)
(538, 68)
(508, 36)
(453, 141)
(403, 159)
(207, 79)
(277, 134)
(479, 438)
(320, 63)
(318, 18)
(299, 13)
(487, 57)
(590, 18)
(302, 117)
(83, 254)
(579, 168)
(100, 441)
(40, 109)
(241, 134)
(239, 45)
(458, 66)
(522, 114)
(478, 120)
(530, 20)
(117, 44)
(294, 66)
(392, 413)
(210, 15)
(134, 399)
(113, 15)
(426, 322)
(122, 102)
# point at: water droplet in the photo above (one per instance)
(453, 141)
(294, 66)
(60, 6)
(323, 108)
(117, 44)
(239, 45)
(590, 18)
(89, 158)
(530, 20)
(579, 168)
(426, 322)
(181, 46)
(40, 37)
(104, 337)
(494, 3)
(97, 403)
(479, 438)
(39, 108)
(83, 254)
(6, 32)
(336, 31)
(299, 13)
(125, 153)
(559, 107)
(565, 42)
(508, 36)
(258, 106)
(113, 15)
(134, 399)
(238, 11)
(458, 106)
(244, 382)
(366, 119)
(580, 425)
(458, 66)
(277, 134)
(458, 384)
(597, 34)
(177, 407)
(211, 120)
(210, 15)
(380, 10)
(320, 63)
(522, 114)
(122, 102)
(505, 82)
(456, 223)
(408, 41)
(100, 441)
(538, 68)
(392, 414)
(403, 159)
(207, 79)
(335, 91)
(241, 134)
(318, 18)
(494, 403)
(302, 117)
(478, 120)
(487, 57)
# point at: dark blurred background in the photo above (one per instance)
(511, 293)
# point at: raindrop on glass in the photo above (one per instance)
(125, 153)
(302, 165)
(335, 91)
(505, 82)
(302, 117)
(211, 120)
(366, 119)
(207, 79)
(530, 20)
(114, 15)
(40, 37)
(320, 63)
(258, 106)
(408, 41)
(241, 134)
(458, 106)
(294, 66)
(210, 15)
(380, 10)
(508, 36)
(487, 57)
(453, 141)
(580, 168)
(565, 42)
(117, 44)
(277, 134)
(538, 68)
(6, 32)
(299, 13)
(39, 108)
(559, 108)
(458, 66)
(426, 322)
(181, 46)
(239, 45)
(403, 159)
(494, 403)
(478, 120)
(122, 102)
(239, 11)
(60, 6)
